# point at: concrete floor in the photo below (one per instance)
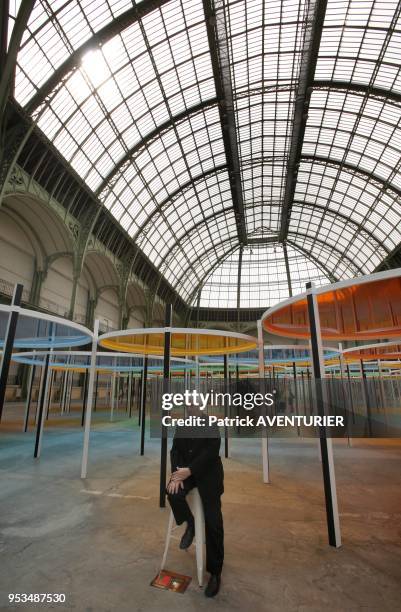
(99, 541)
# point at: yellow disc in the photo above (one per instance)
(184, 342)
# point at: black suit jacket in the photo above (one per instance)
(202, 457)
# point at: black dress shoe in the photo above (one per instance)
(213, 586)
(188, 536)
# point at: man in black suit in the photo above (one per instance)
(195, 462)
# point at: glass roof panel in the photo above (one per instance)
(196, 205)
(355, 129)
(140, 78)
(264, 280)
(54, 31)
(264, 43)
(136, 116)
(328, 257)
(190, 260)
(325, 190)
(165, 165)
(326, 227)
(360, 43)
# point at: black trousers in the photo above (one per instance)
(213, 522)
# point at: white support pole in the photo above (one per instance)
(129, 383)
(32, 371)
(341, 359)
(383, 391)
(265, 443)
(88, 414)
(62, 391)
(117, 389)
(49, 396)
(108, 389)
(343, 379)
(69, 391)
(41, 383)
(186, 372)
(113, 393)
(326, 446)
(141, 400)
(45, 401)
(363, 386)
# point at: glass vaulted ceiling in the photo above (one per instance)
(264, 277)
(130, 96)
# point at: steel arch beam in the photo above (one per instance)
(172, 196)
(292, 176)
(310, 51)
(9, 50)
(308, 158)
(198, 259)
(193, 228)
(367, 176)
(31, 234)
(393, 260)
(347, 220)
(156, 132)
(353, 266)
(307, 204)
(224, 211)
(151, 136)
(241, 252)
(341, 254)
(196, 179)
(324, 268)
(123, 21)
(210, 271)
(178, 283)
(287, 269)
(216, 28)
(308, 254)
(376, 92)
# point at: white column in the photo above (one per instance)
(88, 414)
(265, 443)
(45, 401)
(344, 381)
(41, 383)
(129, 383)
(113, 393)
(29, 393)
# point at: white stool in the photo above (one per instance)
(195, 503)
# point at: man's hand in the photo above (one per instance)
(181, 474)
(174, 486)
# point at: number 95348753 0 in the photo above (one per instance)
(36, 598)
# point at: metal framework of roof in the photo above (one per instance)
(243, 148)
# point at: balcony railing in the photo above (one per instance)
(7, 289)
